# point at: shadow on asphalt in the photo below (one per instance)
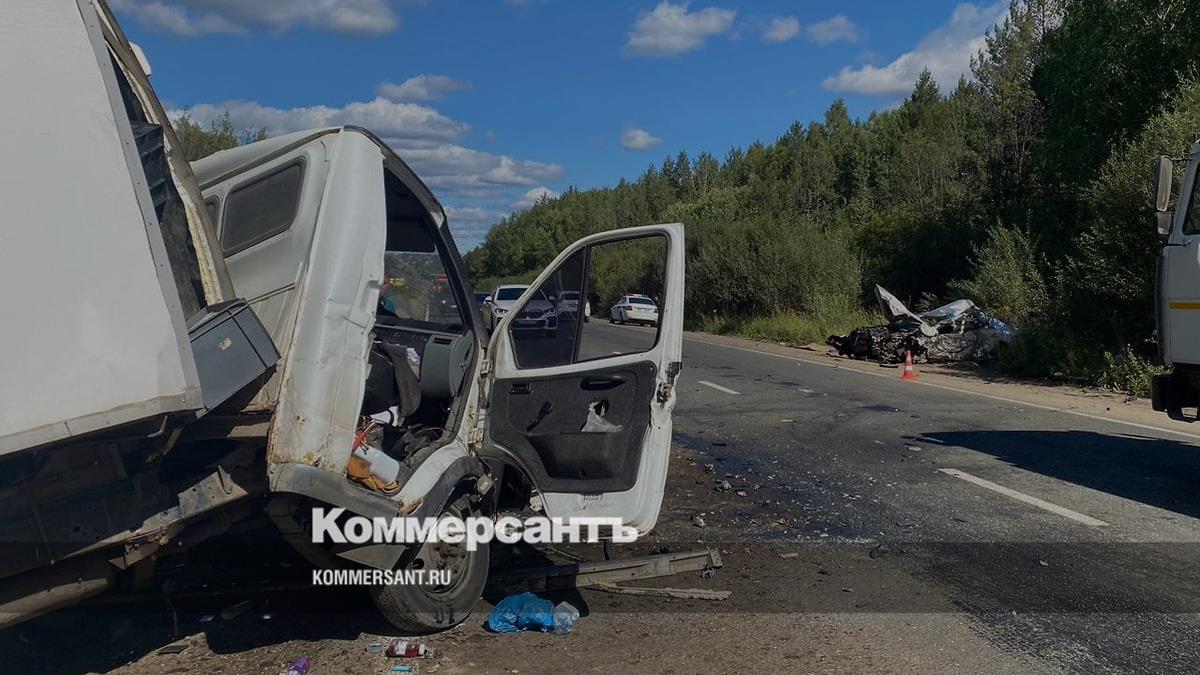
(1152, 471)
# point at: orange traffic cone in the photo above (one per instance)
(909, 373)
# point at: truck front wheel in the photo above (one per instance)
(440, 603)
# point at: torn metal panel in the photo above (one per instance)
(956, 331)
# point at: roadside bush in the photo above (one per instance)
(1111, 273)
(760, 267)
(1127, 372)
(1008, 279)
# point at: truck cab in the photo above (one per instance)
(1177, 288)
(278, 327)
(348, 259)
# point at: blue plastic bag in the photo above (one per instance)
(522, 612)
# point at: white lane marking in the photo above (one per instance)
(718, 387)
(888, 376)
(1028, 499)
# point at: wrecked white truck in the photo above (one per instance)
(281, 326)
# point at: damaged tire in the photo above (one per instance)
(429, 608)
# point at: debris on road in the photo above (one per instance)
(233, 611)
(172, 648)
(588, 574)
(677, 593)
(957, 331)
(524, 611)
(565, 617)
(400, 648)
(300, 667)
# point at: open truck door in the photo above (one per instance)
(584, 408)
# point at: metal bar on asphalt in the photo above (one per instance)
(581, 575)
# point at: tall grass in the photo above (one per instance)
(787, 327)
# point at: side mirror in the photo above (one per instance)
(1164, 178)
(488, 299)
(1164, 175)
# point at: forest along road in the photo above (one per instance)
(1067, 540)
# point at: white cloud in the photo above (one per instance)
(670, 29)
(467, 214)
(403, 122)
(474, 173)
(638, 139)
(200, 17)
(421, 88)
(782, 29)
(530, 198)
(946, 52)
(834, 29)
(421, 136)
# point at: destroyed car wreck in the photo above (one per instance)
(957, 331)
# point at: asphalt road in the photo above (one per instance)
(866, 525)
(1066, 541)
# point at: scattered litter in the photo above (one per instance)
(724, 485)
(404, 669)
(233, 611)
(207, 617)
(300, 667)
(789, 556)
(708, 574)
(375, 648)
(565, 618)
(679, 593)
(698, 520)
(710, 468)
(847, 590)
(1043, 563)
(957, 331)
(401, 648)
(173, 649)
(740, 493)
(524, 611)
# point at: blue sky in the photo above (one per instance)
(494, 102)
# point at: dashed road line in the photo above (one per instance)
(1027, 499)
(718, 387)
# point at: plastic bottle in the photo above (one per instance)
(565, 616)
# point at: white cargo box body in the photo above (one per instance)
(93, 335)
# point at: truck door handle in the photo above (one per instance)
(601, 382)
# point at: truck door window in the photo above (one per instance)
(1191, 221)
(416, 289)
(261, 209)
